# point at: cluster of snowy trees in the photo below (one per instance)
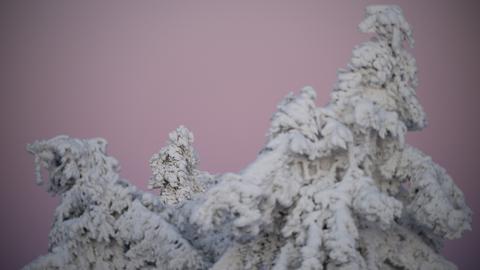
(335, 187)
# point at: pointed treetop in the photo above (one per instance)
(181, 136)
(174, 168)
(388, 23)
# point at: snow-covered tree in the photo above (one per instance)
(334, 187)
(174, 168)
(103, 222)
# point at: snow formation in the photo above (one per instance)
(334, 187)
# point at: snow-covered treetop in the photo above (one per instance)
(387, 22)
(174, 168)
(65, 158)
(377, 90)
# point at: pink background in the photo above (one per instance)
(133, 71)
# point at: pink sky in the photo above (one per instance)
(131, 71)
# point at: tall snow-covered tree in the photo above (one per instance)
(335, 187)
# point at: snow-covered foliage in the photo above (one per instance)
(174, 168)
(334, 187)
(102, 221)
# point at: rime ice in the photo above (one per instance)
(333, 188)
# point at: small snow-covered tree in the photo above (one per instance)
(174, 168)
(334, 187)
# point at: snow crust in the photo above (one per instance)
(335, 187)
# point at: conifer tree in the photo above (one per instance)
(174, 168)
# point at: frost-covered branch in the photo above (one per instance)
(431, 189)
